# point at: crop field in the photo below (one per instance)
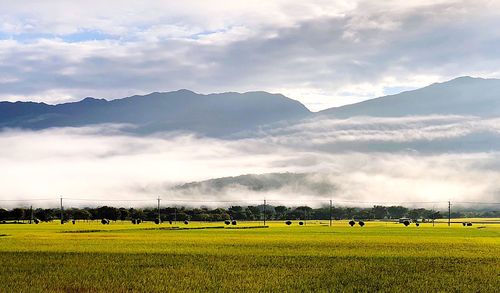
(381, 256)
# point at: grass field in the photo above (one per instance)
(88, 257)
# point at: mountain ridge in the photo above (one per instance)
(229, 113)
(463, 95)
(182, 110)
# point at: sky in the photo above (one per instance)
(322, 53)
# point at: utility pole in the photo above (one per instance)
(330, 212)
(433, 216)
(449, 213)
(159, 215)
(31, 216)
(305, 216)
(264, 212)
(62, 217)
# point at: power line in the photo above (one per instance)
(191, 200)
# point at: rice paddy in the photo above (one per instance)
(381, 256)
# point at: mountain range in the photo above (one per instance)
(224, 114)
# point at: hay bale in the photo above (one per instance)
(233, 223)
(36, 221)
(73, 221)
(157, 222)
(406, 223)
(170, 222)
(469, 224)
(227, 222)
(417, 224)
(464, 224)
(288, 223)
(301, 223)
(105, 221)
(352, 223)
(361, 223)
(186, 222)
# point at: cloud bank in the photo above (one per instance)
(323, 53)
(101, 163)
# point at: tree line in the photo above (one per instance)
(236, 213)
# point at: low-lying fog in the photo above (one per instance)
(412, 159)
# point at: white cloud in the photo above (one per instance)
(103, 163)
(324, 53)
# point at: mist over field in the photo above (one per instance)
(364, 159)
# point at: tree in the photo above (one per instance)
(396, 212)
(45, 214)
(281, 212)
(253, 212)
(17, 214)
(379, 212)
(81, 214)
(106, 212)
(4, 215)
(303, 212)
(124, 214)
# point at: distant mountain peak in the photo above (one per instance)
(182, 110)
(463, 95)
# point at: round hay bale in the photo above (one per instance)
(104, 221)
(157, 222)
(233, 222)
(361, 223)
(170, 222)
(227, 222)
(288, 223)
(469, 224)
(186, 222)
(73, 221)
(352, 223)
(417, 224)
(406, 223)
(301, 223)
(464, 224)
(36, 221)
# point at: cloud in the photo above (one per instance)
(102, 163)
(324, 53)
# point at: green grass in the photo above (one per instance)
(125, 257)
